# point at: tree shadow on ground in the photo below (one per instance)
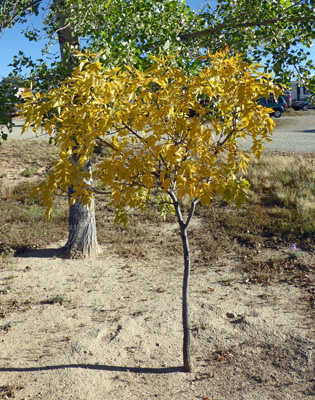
(110, 368)
(40, 253)
(308, 130)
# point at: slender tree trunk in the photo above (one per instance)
(185, 303)
(82, 241)
(185, 297)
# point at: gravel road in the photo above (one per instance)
(295, 131)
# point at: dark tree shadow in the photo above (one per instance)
(308, 130)
(39, 253)
(111, 368)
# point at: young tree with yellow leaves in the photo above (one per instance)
(157, 152)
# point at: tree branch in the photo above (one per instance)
(221, 27)
(107, 143)
(191, 213)
(133, 132)
(16, 13)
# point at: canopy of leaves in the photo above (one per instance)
(12, 11)
(154, 145)
(127, 31)
(8, 100)
(279, 31)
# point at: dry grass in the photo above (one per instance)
(280, 211)
(287, 180)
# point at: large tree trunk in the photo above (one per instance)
(82, 241)
(68, 40)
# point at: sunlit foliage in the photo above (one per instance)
(166, 132)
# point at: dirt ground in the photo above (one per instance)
(110, 328)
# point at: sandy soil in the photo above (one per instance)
(110, 328)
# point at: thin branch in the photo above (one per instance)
(221, 27)
(133, 132)
(191, 213)
(107, 143)
(294, 5)
(63, 27)
(183, 225)
(92, 189)
(16, 13)
(177, 208)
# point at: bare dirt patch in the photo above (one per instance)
(117, 331)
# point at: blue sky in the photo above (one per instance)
(14, 41)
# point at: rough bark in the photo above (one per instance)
(66, 37)
(82, 241)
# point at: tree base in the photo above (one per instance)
(187, 366)
(78, 254)
(82, 240)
